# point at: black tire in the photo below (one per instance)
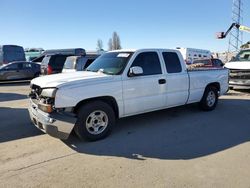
(207, 103)
(83, 119)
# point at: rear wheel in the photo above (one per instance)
(210, 99)
(95, 121)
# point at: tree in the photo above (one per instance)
(110, 45)
(114, 42)
(99, 45)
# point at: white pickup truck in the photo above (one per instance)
(239, 68)
(119, 84)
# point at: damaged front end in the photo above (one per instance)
(55, 122)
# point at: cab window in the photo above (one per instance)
(149, 62)
(172, 62)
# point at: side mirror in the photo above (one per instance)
(135, 71)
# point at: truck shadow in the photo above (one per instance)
(11, 97)
(177, 133)
(15, 83)
(15, 124)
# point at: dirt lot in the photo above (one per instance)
(180, 147)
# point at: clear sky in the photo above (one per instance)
(139, 23)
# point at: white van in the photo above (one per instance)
(191, 54)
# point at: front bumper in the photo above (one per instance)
(239, 83)
(56, 124)
(239, 78)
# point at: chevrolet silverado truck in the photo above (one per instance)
(119, 84)
(239, 68)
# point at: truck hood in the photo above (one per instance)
(238, 65)
(62, 79)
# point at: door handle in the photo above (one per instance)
(162, 81)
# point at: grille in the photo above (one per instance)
(239, 74)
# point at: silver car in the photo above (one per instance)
(19, 70)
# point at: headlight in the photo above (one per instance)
(49, 92)
(45, 107)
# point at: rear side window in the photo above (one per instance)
(149, 62)
(27, 66)
(172, 62)
(57, 61)
(13, 66)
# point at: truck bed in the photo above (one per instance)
(203, 76)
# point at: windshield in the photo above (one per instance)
(110, 63)
(243, 56)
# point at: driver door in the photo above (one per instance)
(145, 92)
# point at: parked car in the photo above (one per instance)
(9, 53)
(79, 63)
(120, 84)
(54, 60)
(19, 70)
(212, 62)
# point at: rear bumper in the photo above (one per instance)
(56, 124)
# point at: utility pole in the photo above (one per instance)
(236, 36)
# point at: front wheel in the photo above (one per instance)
(95, 121)
(210, 99)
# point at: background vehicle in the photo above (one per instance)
(119, 84)
(33, 53)
(240, 70)
(79, 63)
(191, 54)
(212, 62)
(54, 60)
(19, 70)
(240, 65)
(9, 53)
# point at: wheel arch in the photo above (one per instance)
(107, 99)
(214, 84)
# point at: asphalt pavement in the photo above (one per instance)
(178, 147)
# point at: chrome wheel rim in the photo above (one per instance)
(97, 122)
(211, 98)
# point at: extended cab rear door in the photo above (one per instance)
(145, 92)
(177, 81)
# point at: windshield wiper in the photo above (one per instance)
(89, 70)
